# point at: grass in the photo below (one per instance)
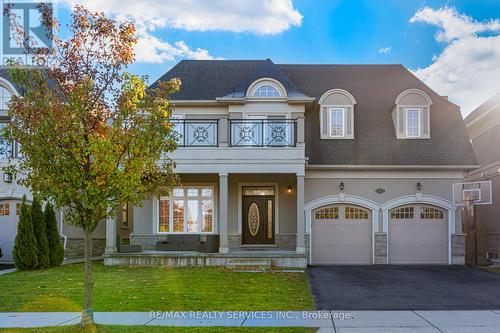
(159, 329)
(119, 288)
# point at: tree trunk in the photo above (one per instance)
(88, 313)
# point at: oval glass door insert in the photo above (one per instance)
(253, 219)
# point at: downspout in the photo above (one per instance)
(61, 214)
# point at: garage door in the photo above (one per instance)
(418, 234)
(8, 228)
(341, 234)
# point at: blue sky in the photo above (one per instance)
(463, 62)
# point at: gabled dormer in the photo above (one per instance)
(411, 115)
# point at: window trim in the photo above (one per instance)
(407, 120)
(332, 109)
(199, 198)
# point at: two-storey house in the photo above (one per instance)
(304, 164)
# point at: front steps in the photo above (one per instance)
(250, 263)
(242, 259)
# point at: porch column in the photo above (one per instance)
(111, 235)
(301, 248)
(223, 212)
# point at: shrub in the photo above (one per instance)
(25, 247)
(56, 249)
(40, 233)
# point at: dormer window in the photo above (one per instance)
(337, 122)
(267, 91)
(336, 115)
(413, 122)
(411, 116)
(266, 88)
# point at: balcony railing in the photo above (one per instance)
(196, 133)
(263, 133)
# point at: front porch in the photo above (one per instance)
(233, 220)
(238, 259)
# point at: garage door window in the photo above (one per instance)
(403, 213)
(4, 209)
(430, 213)
(353, 213)
(329, 213)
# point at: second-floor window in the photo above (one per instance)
(413, 122)
(6, 146)
(337, 122)
(5, 97)
(267, 91)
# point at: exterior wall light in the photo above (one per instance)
(419, 186)
(289, 190)
(341, 186)
(7, 177)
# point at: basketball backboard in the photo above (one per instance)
(477, 193)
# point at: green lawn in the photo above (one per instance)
(158, 329)
(119, 288)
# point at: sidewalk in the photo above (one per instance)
(326, 321)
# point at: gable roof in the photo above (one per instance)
(375, 88)
(483, 109)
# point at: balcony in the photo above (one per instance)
(197, 133)
(236, 133)
(239, 146)
(263, 133)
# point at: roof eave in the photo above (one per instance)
(390, 167)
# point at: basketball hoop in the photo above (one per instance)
(470, 195)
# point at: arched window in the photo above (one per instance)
(5, 97)
(336, 114)
(267, 91)
(412, 115)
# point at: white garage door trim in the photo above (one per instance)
(420, 199)
(345, 200)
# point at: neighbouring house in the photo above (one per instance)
(11, 193)
(290, 165)
(483, 125)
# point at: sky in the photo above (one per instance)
(453, 46)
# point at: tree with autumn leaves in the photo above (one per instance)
(92, 136)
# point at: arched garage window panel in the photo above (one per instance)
(431, 213)
(336, 114)
(356, 213)
(403, 213)
(411, 115)
(327, 213)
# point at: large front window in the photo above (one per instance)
(189, 209)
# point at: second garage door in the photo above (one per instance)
(341, 234)
(418, 234)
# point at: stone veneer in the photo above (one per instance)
(380, 248)
(74, 247)
(458, 249)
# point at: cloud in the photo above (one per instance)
(385, 50)
(468, 69)
(260, 17)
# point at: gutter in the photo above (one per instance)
(390, 167)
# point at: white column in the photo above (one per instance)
(111, 235)
(301, 247)
(223, 213)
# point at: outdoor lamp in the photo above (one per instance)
(419, 186)
(341, 186)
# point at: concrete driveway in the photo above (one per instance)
(404, 288)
